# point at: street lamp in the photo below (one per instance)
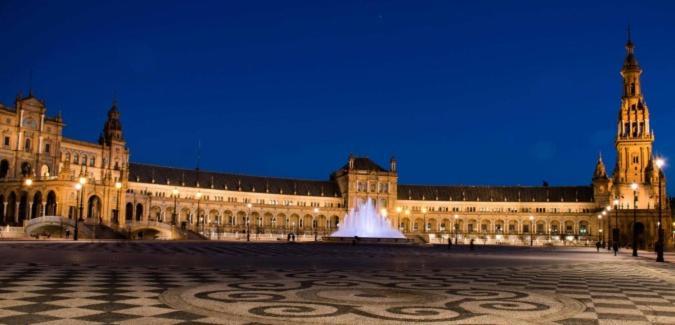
(531, 230)
(600, 239)
(424, 219)
(28, 182)
(198, 195)
(78, 188)
(316, 235)
(455, 228)
(660, 162)
(83, 181)
(248, 223)
(609, 226)
(398, 218)
(634, 187)
(174, 215)
(407, 213)
(118, 187)
(616, 233)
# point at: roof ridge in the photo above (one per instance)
(232, 174)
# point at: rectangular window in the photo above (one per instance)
(6, 141)
(92, 162)
(47, 147)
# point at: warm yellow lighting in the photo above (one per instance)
(531, 218)
(456, 216)
(83, 180)
(175, 192)
(608, 208)
(604, 213)
(118, 185)
(407, 212)
(616, 202)
(398, 209)
(249, 205)
(78, 186)
(424, 210)
(660, 162)
(28, 182)
(316, 210)
(383, 212)
(634, 186)
(599, 216)
(198, 195)
(600, 230)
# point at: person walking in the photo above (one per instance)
(471, 244)
(615, 247)
(449, 243)
(597, 246)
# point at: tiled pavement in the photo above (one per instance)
(608, 292)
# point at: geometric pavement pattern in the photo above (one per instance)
(584, 293)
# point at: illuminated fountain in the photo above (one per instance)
(365, 221)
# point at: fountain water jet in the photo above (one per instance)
(366, 222)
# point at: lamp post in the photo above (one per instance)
(407, 213)
(398, 218)
(83, 181)
(454, 226)
(600, 239)
(531, 230)
(316, 235)
(28, 183)
(634, 187)
(198, 195)
(609, 226)
(424, 219)
(78, 188)
(660, 162)
(174, 215)
(616, 233)
(248, 222)
(118, 187)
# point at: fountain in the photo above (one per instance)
(366, 223)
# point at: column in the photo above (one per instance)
(29, 211)
(44, 208)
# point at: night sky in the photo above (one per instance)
(461, 93)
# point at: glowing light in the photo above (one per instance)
(634, 186)
(28, 182)
(399, 209)
(83, 180)
(531, 218)
(316, 210)
(118, 185)
(175, 192)
(424, 210)
(616, 202)
(249, 205)
(660, 162)
(78, 186)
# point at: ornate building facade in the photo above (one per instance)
(44, 174)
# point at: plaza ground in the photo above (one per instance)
(59, 282)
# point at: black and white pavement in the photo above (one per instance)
(217, 283)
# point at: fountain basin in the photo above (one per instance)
(369, 240)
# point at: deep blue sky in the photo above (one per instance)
(462, 93)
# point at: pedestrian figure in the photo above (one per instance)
(597, 245)
(616, 248)
(288, 237)
(67, 233)
(471, 244)
(449, 243)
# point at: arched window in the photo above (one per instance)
(27, 145)
(84, 160)
(76, 158)
(68, 156)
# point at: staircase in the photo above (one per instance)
(102, 231)
(193, 235)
